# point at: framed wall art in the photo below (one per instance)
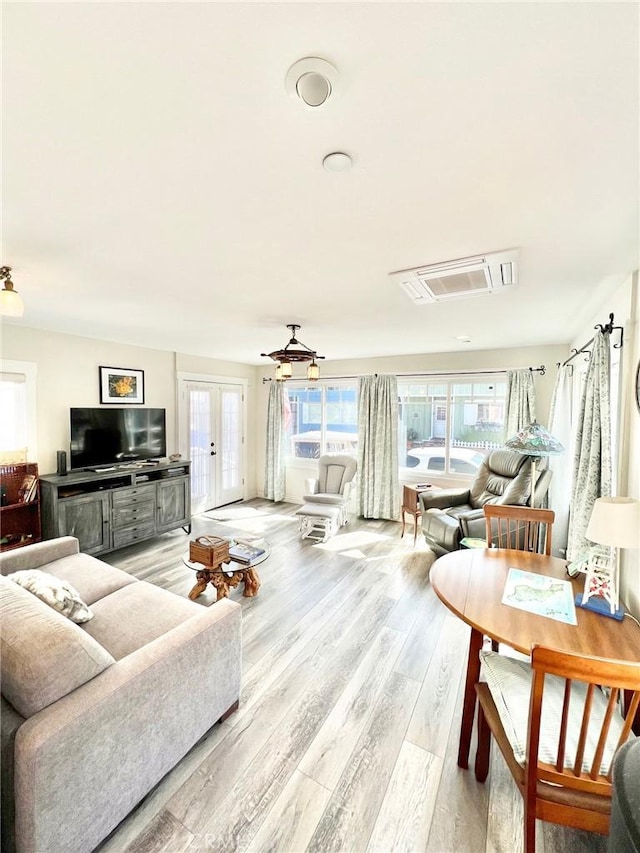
(121, 385)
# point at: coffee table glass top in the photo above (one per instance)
(235, 565)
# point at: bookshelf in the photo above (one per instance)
(20, 506)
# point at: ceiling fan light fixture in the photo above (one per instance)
(294, 351)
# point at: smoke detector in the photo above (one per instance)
(311, 81)
(480, 275)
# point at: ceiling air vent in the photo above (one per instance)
(482, 274)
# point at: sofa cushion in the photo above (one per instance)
(44, 655)
(92, 578)
(135, 615)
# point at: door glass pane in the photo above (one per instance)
(230, 447)
(200, 443)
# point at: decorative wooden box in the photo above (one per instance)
(210, 551)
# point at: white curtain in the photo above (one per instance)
(521, 401)
(561, 427)
(378, 491)
(592, 452)
(274, 475)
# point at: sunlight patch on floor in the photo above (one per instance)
(347, 541)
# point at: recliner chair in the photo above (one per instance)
(332, 488)
(504, 478)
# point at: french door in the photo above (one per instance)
(214, 414)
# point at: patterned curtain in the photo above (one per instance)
(560, 426)
(378, 447)
(592, 451)
(274, 475)
(521, 401)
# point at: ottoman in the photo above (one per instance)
(318, 521)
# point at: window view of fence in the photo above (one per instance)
(445, 426)
(321, 419)
(449, 426)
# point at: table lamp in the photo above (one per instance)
(614, 523)
(534, 441)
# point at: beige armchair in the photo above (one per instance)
(448, 515)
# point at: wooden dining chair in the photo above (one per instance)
(519, 527)
(559, 755)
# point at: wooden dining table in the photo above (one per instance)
(471, 584)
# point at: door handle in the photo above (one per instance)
(213, 453)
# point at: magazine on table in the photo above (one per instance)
(244, 552)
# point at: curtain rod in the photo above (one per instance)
(541, 370)
(607, 329)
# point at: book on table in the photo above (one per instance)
(243, 552)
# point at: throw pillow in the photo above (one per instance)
(55, 592)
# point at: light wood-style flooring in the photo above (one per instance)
(346, 736)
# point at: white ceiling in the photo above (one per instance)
(161, 188)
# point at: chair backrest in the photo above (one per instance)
(592, 723)
(519, 527)
(336, 470)
(505, 478)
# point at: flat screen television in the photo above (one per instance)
(116, 436)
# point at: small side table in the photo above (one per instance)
(411, 504)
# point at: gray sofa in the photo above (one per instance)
(94, 715)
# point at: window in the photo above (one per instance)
(448, 426)
(18, 407)
(321, 419)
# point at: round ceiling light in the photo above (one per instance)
(313, 88)
(311, 80)
(337, 162)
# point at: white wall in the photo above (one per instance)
(496, 359)
(68, 376)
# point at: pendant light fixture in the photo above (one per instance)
(11, 304)
(294, 351)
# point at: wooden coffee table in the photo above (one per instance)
(227, 575)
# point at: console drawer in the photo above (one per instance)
(127, 535)
(124, 515)
(147, 492)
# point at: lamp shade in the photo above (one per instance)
(615, 522)
(534, 440)
(11, 304)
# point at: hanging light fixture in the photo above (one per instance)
(313, 371)
(11, 304)
(294, 351)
